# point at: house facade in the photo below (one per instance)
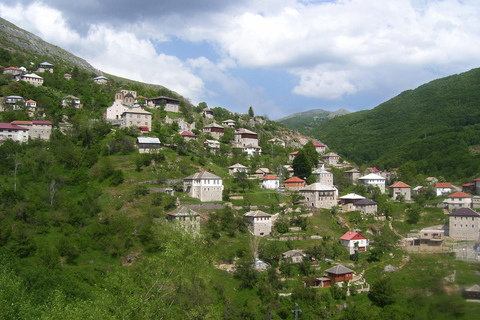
(340, 273)
(148, 145)
(426, 240)
(353, 175)
(247, 141)
(259, 223)
(373, 180)
(318, 195)
(292, 156)
(464, 224)
(442, 188)
(212, 144)
(136, 117)
(324, 177)
(366, 206)
(294, 183)
(45, 67)
(168, 104)
(100, 80)
(229, 123)
(270, 182)
(400, 189)
(185, 219)
(215, 130)
(207, 113)
(13, 132)
(458, 200)
(320, 148)
(204, 186)
(331, 158)
(32, 78)
(294, 256)
(237, 167)
(71, 101)
(353, 241)
(187, 136)
(37, 129)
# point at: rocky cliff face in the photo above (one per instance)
(17, 39)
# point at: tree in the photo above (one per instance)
(311, 152)
(250, 112)
(382, 292)
(413, 214)
(302, 166)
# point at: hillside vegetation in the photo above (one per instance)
(307, 120)
(435, 129)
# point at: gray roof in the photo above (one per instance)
(256, 213)
(237, 165)
(148, 140)
(293, 253)
(320, 171)
(46, 64)
(202, 175)
(318, 187)
(364, 202)
(474, 288)
(213, 125)
(183, 211)
(339, 270)
(464, 212)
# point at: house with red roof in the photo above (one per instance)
(292, 155)
(320, 148)
(37, 129)
(443, 188)
(294, 183)
(270, 182)
(14, 132)
(458, 200)
(187, 136)
(400, 189)
(354, 241)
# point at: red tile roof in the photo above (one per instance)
(31, 101)
(443, 185)
(41, 122)
(352, 236)
(188, 134)
(10, 126)
(295, 152)
(270, 177)
(294, 179)
(144, 129)
(400, 184)
(459, 194)
(19, 123)
(316, 144)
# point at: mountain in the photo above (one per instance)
(307, 120)
(435, 128)
(19, 40)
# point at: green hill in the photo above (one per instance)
(307, 120)
(435, 128)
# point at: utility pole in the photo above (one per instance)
(296, 311)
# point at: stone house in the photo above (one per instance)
(16, 72)
(14, 132)
(100, 80)
(294, 256)
(207, 113)
(229, 123)
(187, 136)
(294, 183)
(331, 159)
(204, 186)
(32, 78)
(476, 202)
(464, 224)
(169, 104)
(37, 129)
(318, 195)
(373, 180)
(348, 200)
(215, 130)
(323, 176)
(442, 188)
(247, 141)
(148, 145)
(71, 101)
(320, 148)
(259, 223)
(137, 117)
(477, 186)
(237, 167)
(400, 189)
(426, 240)
(366, 206)
(458, 200)
(45, 67)
(186, 219)
(353, 175)
(261, 172)
(292, 156)
(31, 106)
(353, 241)
(212, 144)
(270, 182)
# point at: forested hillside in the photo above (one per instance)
(307, 120)
(434, 130)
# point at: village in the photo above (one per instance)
(459, 235)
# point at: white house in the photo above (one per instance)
(354, 241)
(71, 101)
(237, 167)
(270, 182)
(373, 180)
(204, 186)
(259, 222)
(215, 130)
(32, 78)
(443, 188)
(294, 256)
(212, 144)
(100, 79)
(229, 123)
(14, 132)
(458, 200)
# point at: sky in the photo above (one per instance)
(278, 56)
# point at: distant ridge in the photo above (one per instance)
(307, 120)
(14, 38)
